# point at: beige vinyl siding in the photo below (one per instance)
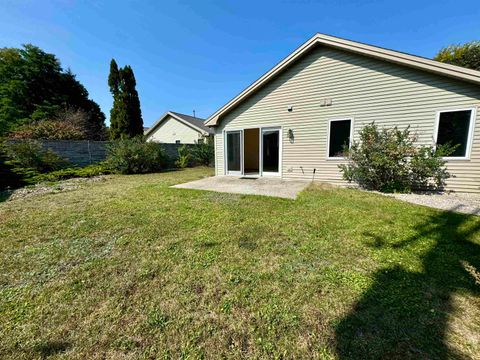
(360, 88)
(219, 153)
(171, 130)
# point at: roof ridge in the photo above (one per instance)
(190, 116)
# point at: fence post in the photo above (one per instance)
(89, 152)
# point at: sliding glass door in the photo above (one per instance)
(266, 147)
(234, 152)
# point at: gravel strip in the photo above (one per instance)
(459, 202)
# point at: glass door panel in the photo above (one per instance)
(234, 152)
(270, 152)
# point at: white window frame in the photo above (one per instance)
(471, 129)
(328, 157)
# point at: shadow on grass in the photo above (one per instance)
(5, 195)
(404, 314)
(51, 348)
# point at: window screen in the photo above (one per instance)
(339, 137)
(453, 128)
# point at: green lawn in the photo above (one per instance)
(130, 268)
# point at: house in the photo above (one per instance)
(293, 121)
(176, 128)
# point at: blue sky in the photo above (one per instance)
(199, 54)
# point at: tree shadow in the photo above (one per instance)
(404, 313)
(5, 195)
(51, 348)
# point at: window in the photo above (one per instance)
(177, 141)
(455, 128)
(339, 137)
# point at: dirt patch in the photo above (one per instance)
(53, 188)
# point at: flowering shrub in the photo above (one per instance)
(49, 129)
(387, 160)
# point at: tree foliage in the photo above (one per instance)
(466, 55)
(125, 115)
(34, 87)
(387, 160)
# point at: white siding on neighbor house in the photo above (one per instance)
(171, 130)
(361, 88)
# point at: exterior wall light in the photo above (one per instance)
(290, 108)
(291, 137)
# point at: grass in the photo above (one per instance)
(131, 268)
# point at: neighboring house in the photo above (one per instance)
(176, 128)
(296, 117)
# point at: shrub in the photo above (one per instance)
(29, 159)
(184, 157)
(203, 153)
(134, 156)
(74, 172)
(8, 177)
(49, 130)
(65, 124)
(387, 160)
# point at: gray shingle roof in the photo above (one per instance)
(195, 121)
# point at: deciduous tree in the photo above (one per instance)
(466, 55)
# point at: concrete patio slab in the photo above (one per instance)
(287, 189)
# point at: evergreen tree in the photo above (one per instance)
(125, 115)
(118, 118)
(135, 126)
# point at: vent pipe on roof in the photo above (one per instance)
(194, 114)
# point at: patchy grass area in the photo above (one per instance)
(130, 268)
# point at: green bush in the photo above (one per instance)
(203, 153)
(73, 172)
(134, 156)
(184, 158)
(387, 160)
(28, 159)
(8, 177)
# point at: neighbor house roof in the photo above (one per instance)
(193, 122)
(418, 62)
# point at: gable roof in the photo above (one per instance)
(397, 57)
(197, 124)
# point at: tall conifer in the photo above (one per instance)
(125, 115)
